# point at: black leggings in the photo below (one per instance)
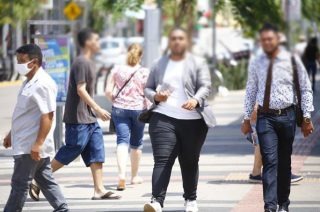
(172, 138)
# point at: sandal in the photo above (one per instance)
(107, 196)
(34, 192)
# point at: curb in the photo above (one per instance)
(10, 83)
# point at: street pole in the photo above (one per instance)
(12, 46)
(214, 36)
(160, 4)
(292, 10)
(58, 132)
(288, 24)
(45, 17)
(151, 36)
(19, 34)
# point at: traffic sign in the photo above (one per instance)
(72, 11)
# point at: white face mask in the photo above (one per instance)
(23, 68)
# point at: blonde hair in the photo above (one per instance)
(134, 54)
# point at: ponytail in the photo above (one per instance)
(134, 54)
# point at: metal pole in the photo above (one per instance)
(58, 132)
(45, 17)
(293, 14)
(160, 4)
(12, 46)
(151, 36)
(288, 23)
(19, 34)
(214, 36)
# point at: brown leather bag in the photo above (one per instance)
(298, 110)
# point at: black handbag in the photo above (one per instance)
(298, 110)
(145, 116)
(112, 128)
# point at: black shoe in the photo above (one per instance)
(255, 179)
(296, 178)
(283, 208)
(269, 210)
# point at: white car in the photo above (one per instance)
(113, 51)
(131, 40)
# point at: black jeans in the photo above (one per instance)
(172, 138)
(276, 134)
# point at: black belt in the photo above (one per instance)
(279, 112)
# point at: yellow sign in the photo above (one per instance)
(72, 11)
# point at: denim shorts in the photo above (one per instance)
(85, 140)
(128, 128)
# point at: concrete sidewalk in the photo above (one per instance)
(225, 164)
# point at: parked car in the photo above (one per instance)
(131, 40)
(113, 51)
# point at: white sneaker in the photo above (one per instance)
(152, 207)
(191, 206)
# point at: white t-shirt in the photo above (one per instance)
(173, 106)
(36, 97)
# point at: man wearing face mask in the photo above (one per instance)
(31, 135)
(178, 85)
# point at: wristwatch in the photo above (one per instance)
(307, 120)
(245, 119)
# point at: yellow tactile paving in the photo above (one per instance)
(10, 83)
(237, 176)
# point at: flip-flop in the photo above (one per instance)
(107, 196)
(34, 192)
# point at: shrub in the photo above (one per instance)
(235, 77)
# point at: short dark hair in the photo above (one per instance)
(269, 27)
(84, 35)
(32, 50)
(178, 28)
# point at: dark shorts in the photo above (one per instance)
(84, 139)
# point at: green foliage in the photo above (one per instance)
(176, 13)
(102, 8)
(235, 77)
(12, 11)
(252, 14)
(179, 13)
(311, 10)
(116, 7)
